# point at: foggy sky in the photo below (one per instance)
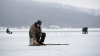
(92, 4)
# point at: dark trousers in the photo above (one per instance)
(39, 37)
(84, 32)
(9, 32)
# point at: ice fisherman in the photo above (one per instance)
(7, 31)
(85, 30)
(36, 35)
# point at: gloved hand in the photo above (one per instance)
(36, 43)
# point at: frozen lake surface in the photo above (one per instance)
(16, 44)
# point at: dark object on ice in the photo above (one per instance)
(85, 30)
(7, 31)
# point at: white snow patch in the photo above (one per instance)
(16, 44)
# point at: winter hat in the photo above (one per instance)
(39, 22)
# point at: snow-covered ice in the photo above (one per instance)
(16, 44)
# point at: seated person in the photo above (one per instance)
(85, 30)
(36, 34)
(7, 31)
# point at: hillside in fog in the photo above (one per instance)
(18, 13)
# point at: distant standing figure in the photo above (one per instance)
(7, 31)
(37, 37)
(85, 30)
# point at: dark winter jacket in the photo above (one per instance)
(34, 29)
(7, 30)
